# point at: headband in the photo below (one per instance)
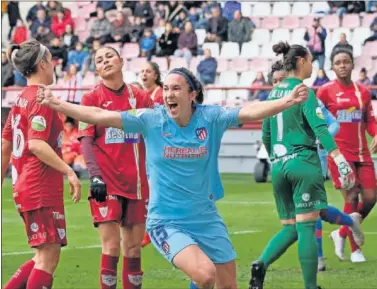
(41, 53)
(188, 79)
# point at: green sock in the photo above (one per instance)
(279, 244)
(307, 253)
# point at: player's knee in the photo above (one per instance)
(111, 246)
(206, 276)
(48, 258)
(131, 249)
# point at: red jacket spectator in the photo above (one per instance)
(59, 22)
(20, 32)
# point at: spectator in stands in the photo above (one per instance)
(161, 10)
(41, 20)
(7, 72)
(19, 79)
(374, 22)
(343, 43)
(372, 6)
(119, 29)
(13, 16)
(217, 30)
(44, 35)
(374, 91)
(173, 8)
(60, 22)
(148, 44)
(207, 68)
(187, 43)
(53, 7)
(240, 29)
(257, 83)
(32, 13)
(144, 11)
(193, 16)
(363, 78)
(100, 30)
(338, 7)
(373, 37)
(229, 8)
(136, 30)
(316, 36)
(160, 29)
(20, 32)
(203, 21)
(356, 7)
(89, 64)
(168, 41)
(70, 143)
(59, 55)
(72, 81)
(77, 56)
(69, 38)
(321, 78)
(106, 5)
(180, 21)
(208, 5)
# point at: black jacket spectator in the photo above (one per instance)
(69, 38)
(217, 27)
(41, 20)
(53, 7)
(101, 28)
(144, 11)
(7, 76)
(13, 15)
(239, 30)
(58, 52)
(32, 13)
(136, 30)
(119, 28)
(168, 41)
(106, 5)
(343, 43)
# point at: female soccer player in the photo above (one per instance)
(290, 139)
(116, 163)
(33, 137)
(150, 76)
(183, 140)
(351, 103)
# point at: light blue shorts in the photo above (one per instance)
(207, 230)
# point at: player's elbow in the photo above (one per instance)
(35, 146)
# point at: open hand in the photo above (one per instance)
(299, 94)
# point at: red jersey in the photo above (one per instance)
(119, 155)
(351, 106)
(35, 184)
(156, 95)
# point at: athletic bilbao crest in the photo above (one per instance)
(135, 279)
(103, 211)
(61, 233)
(109, 280)
(165, 247)
(201, 133)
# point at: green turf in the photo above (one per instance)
(246, 207)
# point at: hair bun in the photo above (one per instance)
(281, 48)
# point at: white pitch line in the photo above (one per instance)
(247, 203)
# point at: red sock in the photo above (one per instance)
(348, 209)
(19, 278)
(132, 275)
(354, 247)
(39, 279)
(108, 275)
(359, 207)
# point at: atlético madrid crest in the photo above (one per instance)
(165, 247)
(201, 133)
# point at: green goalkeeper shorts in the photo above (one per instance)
(298, 184)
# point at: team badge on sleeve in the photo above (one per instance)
(201, 133)
(38, 123)
(83, 125)
(319, 113)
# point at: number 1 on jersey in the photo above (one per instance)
(279, 123)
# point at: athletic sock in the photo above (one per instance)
(132, 275)
(20, 277)
(193, 286)
(307, 252)
(343, 231)
(39, 279)
(279, 244)
(108, 274)
(318, 236)
(335, 216)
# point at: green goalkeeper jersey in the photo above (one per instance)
(297, 128)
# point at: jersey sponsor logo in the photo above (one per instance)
(38, 123)
(116, 136)
(343, 100)
(279, 150)
(107, 103)
(61, 233)
(349, 115)
(83, 125)
(109, 280)
(185, 153)
(319, 113)
(201, 133)
(305, 197)
(39, 235)
(34, 227)
(103, 211)
(165, 247)
(135, 279)
(339, 94)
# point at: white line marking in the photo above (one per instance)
(247, 203)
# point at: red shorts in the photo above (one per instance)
(126, 212)
(365, 174)
(45, 226)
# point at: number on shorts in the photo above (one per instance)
(279, 122)
(18, 137)
(159, 235)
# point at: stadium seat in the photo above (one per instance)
(247, 78)
(271, 22)
(370, 49)
(222, 65)
(267, 50)
(360, 34)
(228, 78)
(238, 64)
(162, 63)
(351, 21)
(300, 9)
(329, 45)
(130, 50)
(281, 9)
(214, 47)
(368, 19)
(230, 50)
(129, 76)
(363, 61)
(330, 21)
(214, 96)
(262, 9)
(320, 7)
(246, 9)
(83, 35)
(81, 24)
(261, 36)
(135, 63)
(357, 50)
(195, 62)
(237, 95)
(355, 74)
(89, 79)
(290, 22)
(117, 46)
(73, 7)
(259, 64)
(280, 34)
(249, 50)
(306, 21)
(335, 36)
(176, 62)
(201, 35)
(298, 36)
(256, 21)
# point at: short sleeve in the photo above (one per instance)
(226, 118)
(7, 130)
(136, 122)
(86, 129)
(146, 100)
(322, 95)
(39, 121)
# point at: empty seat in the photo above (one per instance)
(201, 35)
(135, 63)
(306, 21)
(363, 61)
(81, 24)
(238, 64)
(89, 79)
(214, 47)
(351, 21)
(222, 65)
(256, 21)
(130, 50)
(320, 7)
(290, 22)
(370, 49)
(368, 19)
(271, 22)
(195, 62)
(162, 63)
(267, 51)
(237, 95)
(281, 9)
(230, 50)
(329, 45)
(249, 50)
(357, 50)
(259, 64)
(83, 35)
(330, 21)
(246, 9)
(336, 34)
(298, 36)
(129, 76)
(300, 8)
(228, 78)
(262, 9)
(281, 34)
(117, 46)
(214, 96)
(177, 62)
(261, 36)
(247, 78)
(360, 34)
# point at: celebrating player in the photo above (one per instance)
(351, 103)
(33, 137)
(150, 76)
(116, 164)
(290, 139)
(183, 140)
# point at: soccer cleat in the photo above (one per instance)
(321, 264)
(357, 257)
(146, 240)
(339, 244)
(258, 272)
(358, 235)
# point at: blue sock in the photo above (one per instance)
(193, 286)
(318, 235)
(335, 216)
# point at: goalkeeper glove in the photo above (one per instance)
(347, 176)
(98, 189)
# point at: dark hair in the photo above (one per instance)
(108, 47)
(192, 81)
(25, 58)
(290, 54)
(277, 66)
(156, 69)
(338, 50)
